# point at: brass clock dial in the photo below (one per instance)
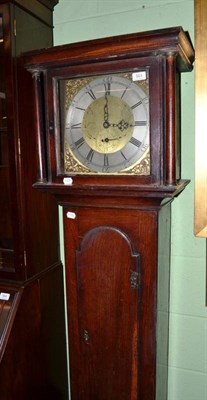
(107, 124)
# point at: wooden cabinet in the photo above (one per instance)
(24, 246)
(33, 331)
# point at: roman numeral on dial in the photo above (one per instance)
(123, 155)
(91, 94)
(140, 123)
(76, 126)
(136, 105)
(107, 88)
(79, 142)
(106, 160)
(90, 155)
(135, 142)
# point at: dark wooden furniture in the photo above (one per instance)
(32, 331)
(117, 226)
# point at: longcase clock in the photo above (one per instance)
(108, 133)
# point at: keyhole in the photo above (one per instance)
(86, 336)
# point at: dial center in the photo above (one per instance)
(108, 124)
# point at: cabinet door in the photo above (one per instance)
(24, 248)
(107, 255)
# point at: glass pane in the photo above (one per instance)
(3, 119)
(6, 235)
(104, 124)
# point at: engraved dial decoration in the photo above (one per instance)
(100, 130)
(107, 124)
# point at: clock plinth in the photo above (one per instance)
(108, 138)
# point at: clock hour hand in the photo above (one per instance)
(122, 125)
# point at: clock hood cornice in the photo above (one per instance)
(164, 41)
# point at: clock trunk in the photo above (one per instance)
(117, 278)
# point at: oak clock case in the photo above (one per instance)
(107, 120)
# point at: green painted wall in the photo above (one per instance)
(76, 20)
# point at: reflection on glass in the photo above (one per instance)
(104, 124)
(2, 110)
(6, 235)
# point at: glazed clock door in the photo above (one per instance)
(6, 232)
(104, 122)
(107, 122)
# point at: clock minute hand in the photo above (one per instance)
(106, 114)
(106, 140)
